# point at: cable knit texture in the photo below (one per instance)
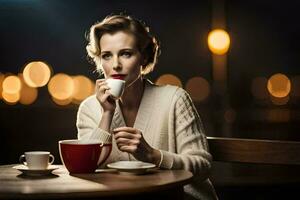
(169, 122)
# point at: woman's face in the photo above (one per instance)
(120, 57)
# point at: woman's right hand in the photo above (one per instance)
(103, 96)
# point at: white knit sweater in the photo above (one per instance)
(169, 122)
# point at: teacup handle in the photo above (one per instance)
(51, 159)
(22, 160)
(101, 145)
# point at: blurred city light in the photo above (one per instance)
(36, 74)
(218, 41)
(61, 86)
(279, 85)
(11, 84)
(83, 87)
(169, 79)
(11, 99)
(63, 102)
(198, 88)
(27, 94)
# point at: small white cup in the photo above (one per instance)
(37, 160)
(116, 87)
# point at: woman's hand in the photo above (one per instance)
(131, 140)
(108, 104)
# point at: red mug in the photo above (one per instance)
(83, 156)
(106, 150)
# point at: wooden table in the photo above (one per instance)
(105, 184)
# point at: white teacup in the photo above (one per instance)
(37, 160)
(116, 87)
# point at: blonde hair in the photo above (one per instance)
(147, 44)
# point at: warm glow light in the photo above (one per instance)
(198, 88)
(83, 87)
(11, 98)
(218, 41)
(36, 74)
(28, 94)
(169, 79)
(279, 85)
(259, 88)
(62, 102)
(11, 85)
(61, 86)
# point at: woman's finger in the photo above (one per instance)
(98, 81)
(101, 83)
(104, 97)
(103, 89)
(128, 149)
(127, 129)
(123, 134)
(123, 141)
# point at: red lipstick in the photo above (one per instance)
(118, 76)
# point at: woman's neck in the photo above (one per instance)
(132, 95)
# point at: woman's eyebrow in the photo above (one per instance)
(126, 49)
(121, 50)
(102, 52)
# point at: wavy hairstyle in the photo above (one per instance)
(147, 44)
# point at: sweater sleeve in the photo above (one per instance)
(88, 118)
(187, 130)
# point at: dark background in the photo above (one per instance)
(264, 41)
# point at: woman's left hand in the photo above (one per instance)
(131, 140)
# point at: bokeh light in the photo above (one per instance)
(36, 74)
(83, 87)
(169, 79)
(61, 86)
(11, 99)
(279, 85)
(27, 94)
(218, 41)
(11, 84)
(259, 88)
(198, 88)
(63, 102)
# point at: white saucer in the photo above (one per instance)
(35, 172)
(133, 167)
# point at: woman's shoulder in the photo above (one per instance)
(169, 91)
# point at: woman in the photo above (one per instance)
(155, 124)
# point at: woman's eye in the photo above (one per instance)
(126, 54)
(105, 56)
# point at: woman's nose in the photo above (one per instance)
(116, 64)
